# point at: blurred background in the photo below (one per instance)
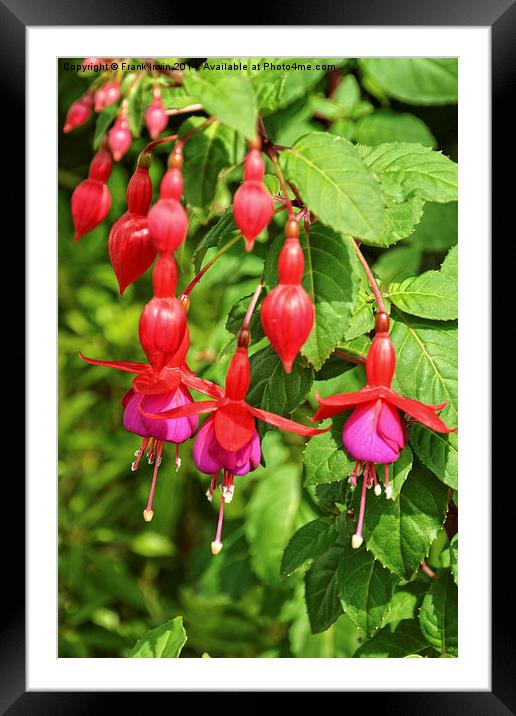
(119, 576)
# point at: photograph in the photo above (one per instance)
(257, 380)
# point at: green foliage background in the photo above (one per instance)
(119, 576)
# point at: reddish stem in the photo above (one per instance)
(350, 358)
(252, 305)
(370, 278)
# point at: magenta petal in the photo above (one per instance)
(210, 457)
(132, 416)
(172, 430)
(374, 433)
(201, 454)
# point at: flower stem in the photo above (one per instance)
(370, 277)
(210, 263)
(252, 305)
(358, 360)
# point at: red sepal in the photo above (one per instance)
(234, 425)
(125, 365)
(424, 414)
(343, 401)
(185, 411)
(284, 423)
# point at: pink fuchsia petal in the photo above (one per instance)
(374, 432)
(424, 414)
(210, 457)
(328, 407)
(133, 417)
(173, 430)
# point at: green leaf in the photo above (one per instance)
(362, 320)
(454, 557)
(399, 471)
(415, 80)
(432, 294)
(206, 154)
(163, 642)
(450, 265)
(365, 589)
(236, 316)
(438, 452)
(270, 518)
(104, 119)
(401, 218)
(397, 643)
(325, 459)
(227, 95)
(397, 263)
(387, 126)
(275, 390)
(399, 533)
(405, 169)
(438, 616)
(152, 544)
(336, 185)
(214, 237)
(307, 543)
(276, 88)
(438, 228)
(426, 355)
(135, 107)
(322, 589)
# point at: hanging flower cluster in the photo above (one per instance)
(159, 406)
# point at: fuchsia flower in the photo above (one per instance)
(79, 112)
(119, 138)
(375, 431)
(159, 391)
(228, 441)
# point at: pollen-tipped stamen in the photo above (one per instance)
(138, 454)
(388, 488)
(216, 545)
(178, 459)
(148, 512)
(151, 454)
(211, 489)
(353, 478)
(228, 487)
(357, 539)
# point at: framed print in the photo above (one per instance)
(255, 284)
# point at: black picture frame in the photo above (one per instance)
(15, 16)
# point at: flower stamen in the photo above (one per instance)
(216, 545)
(138, 454)
(148, 512)
(357, 539)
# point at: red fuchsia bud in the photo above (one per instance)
(162, 328)
(100, 166)
(253, 209)
(111, 93)
(291, 263)
(254, 167)
(381, 357)
(79, 112)
(164, 276)
(91, 202)
(156, 118)
(130, 249)
(171, 186)
(287, 318)
(168, 224)
(119, 138)
(100, 99)
(139, 192)
(238, 376)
